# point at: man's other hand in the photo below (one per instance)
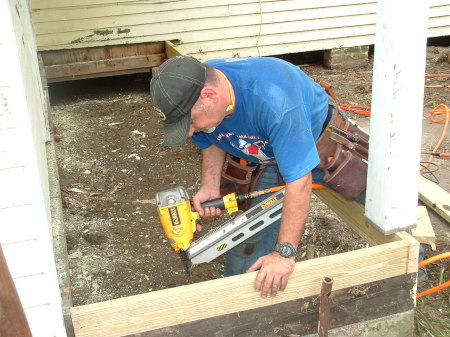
(274, 273)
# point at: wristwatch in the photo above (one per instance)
(286, 249)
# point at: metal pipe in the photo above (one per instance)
(325, 305)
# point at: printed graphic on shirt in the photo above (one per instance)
(243, 143)
(255, 150)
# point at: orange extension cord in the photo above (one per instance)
(437, 85)
(438, 110)
(439, 287)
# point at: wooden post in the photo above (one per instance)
(396, 120)
(12, 317)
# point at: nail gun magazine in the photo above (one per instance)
(179, 220)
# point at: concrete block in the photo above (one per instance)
(397, 325)
(345, 58)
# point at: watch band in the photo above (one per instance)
(286, 249)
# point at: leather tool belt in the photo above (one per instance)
(343, 150)
(240, 177)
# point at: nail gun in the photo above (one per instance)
(179, 220)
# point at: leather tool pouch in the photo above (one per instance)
(239, 178)
(346, 169)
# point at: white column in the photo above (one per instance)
(396, 121)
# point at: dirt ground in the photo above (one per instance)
(112, 162)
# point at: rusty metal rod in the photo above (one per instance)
(325, 305)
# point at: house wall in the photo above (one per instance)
(217, 28)
(25, 231)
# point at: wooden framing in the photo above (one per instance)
(77, 64)
(226, 300)
(435, 197)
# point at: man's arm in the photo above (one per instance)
(212, 163)
(274, 270)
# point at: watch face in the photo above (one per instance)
(285, 250)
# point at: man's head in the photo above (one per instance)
(174, 90)
(189, 96)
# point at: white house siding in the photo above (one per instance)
(25, 231)
(217, 28)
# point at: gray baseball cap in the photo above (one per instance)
(174, 90)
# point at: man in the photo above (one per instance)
(265, 111)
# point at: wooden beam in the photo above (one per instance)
(82, 63)
(394, 152)
(169, 307)
(353, 214)
(118, 66)
(358, 304)
(75, 55)
(435, 197)
(97, 75)
(172, 50)
(424, 232)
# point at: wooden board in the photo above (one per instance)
(435, 197)
(424, 232)
(172, 50)
(169, 307)
(75, 64)
(351, 305)
(77, 55)
(353, 214)
(82, 70)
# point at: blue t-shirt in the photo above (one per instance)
(278, 116)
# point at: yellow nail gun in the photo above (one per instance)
(179, 219)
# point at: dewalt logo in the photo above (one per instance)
(174, 216)
(269, 203)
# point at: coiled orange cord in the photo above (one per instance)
(438, 110)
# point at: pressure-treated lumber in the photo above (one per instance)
(435, 197)
(358, 304)
(424, 232)
(184, 304)
(353, 214)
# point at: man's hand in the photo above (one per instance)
(203, 195)
(212, 162)
(274, 272)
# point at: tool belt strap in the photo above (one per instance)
(325, 145)
(343, 150)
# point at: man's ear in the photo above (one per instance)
(209, 93)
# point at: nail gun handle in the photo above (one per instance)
(229, 202)
(217, 203)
